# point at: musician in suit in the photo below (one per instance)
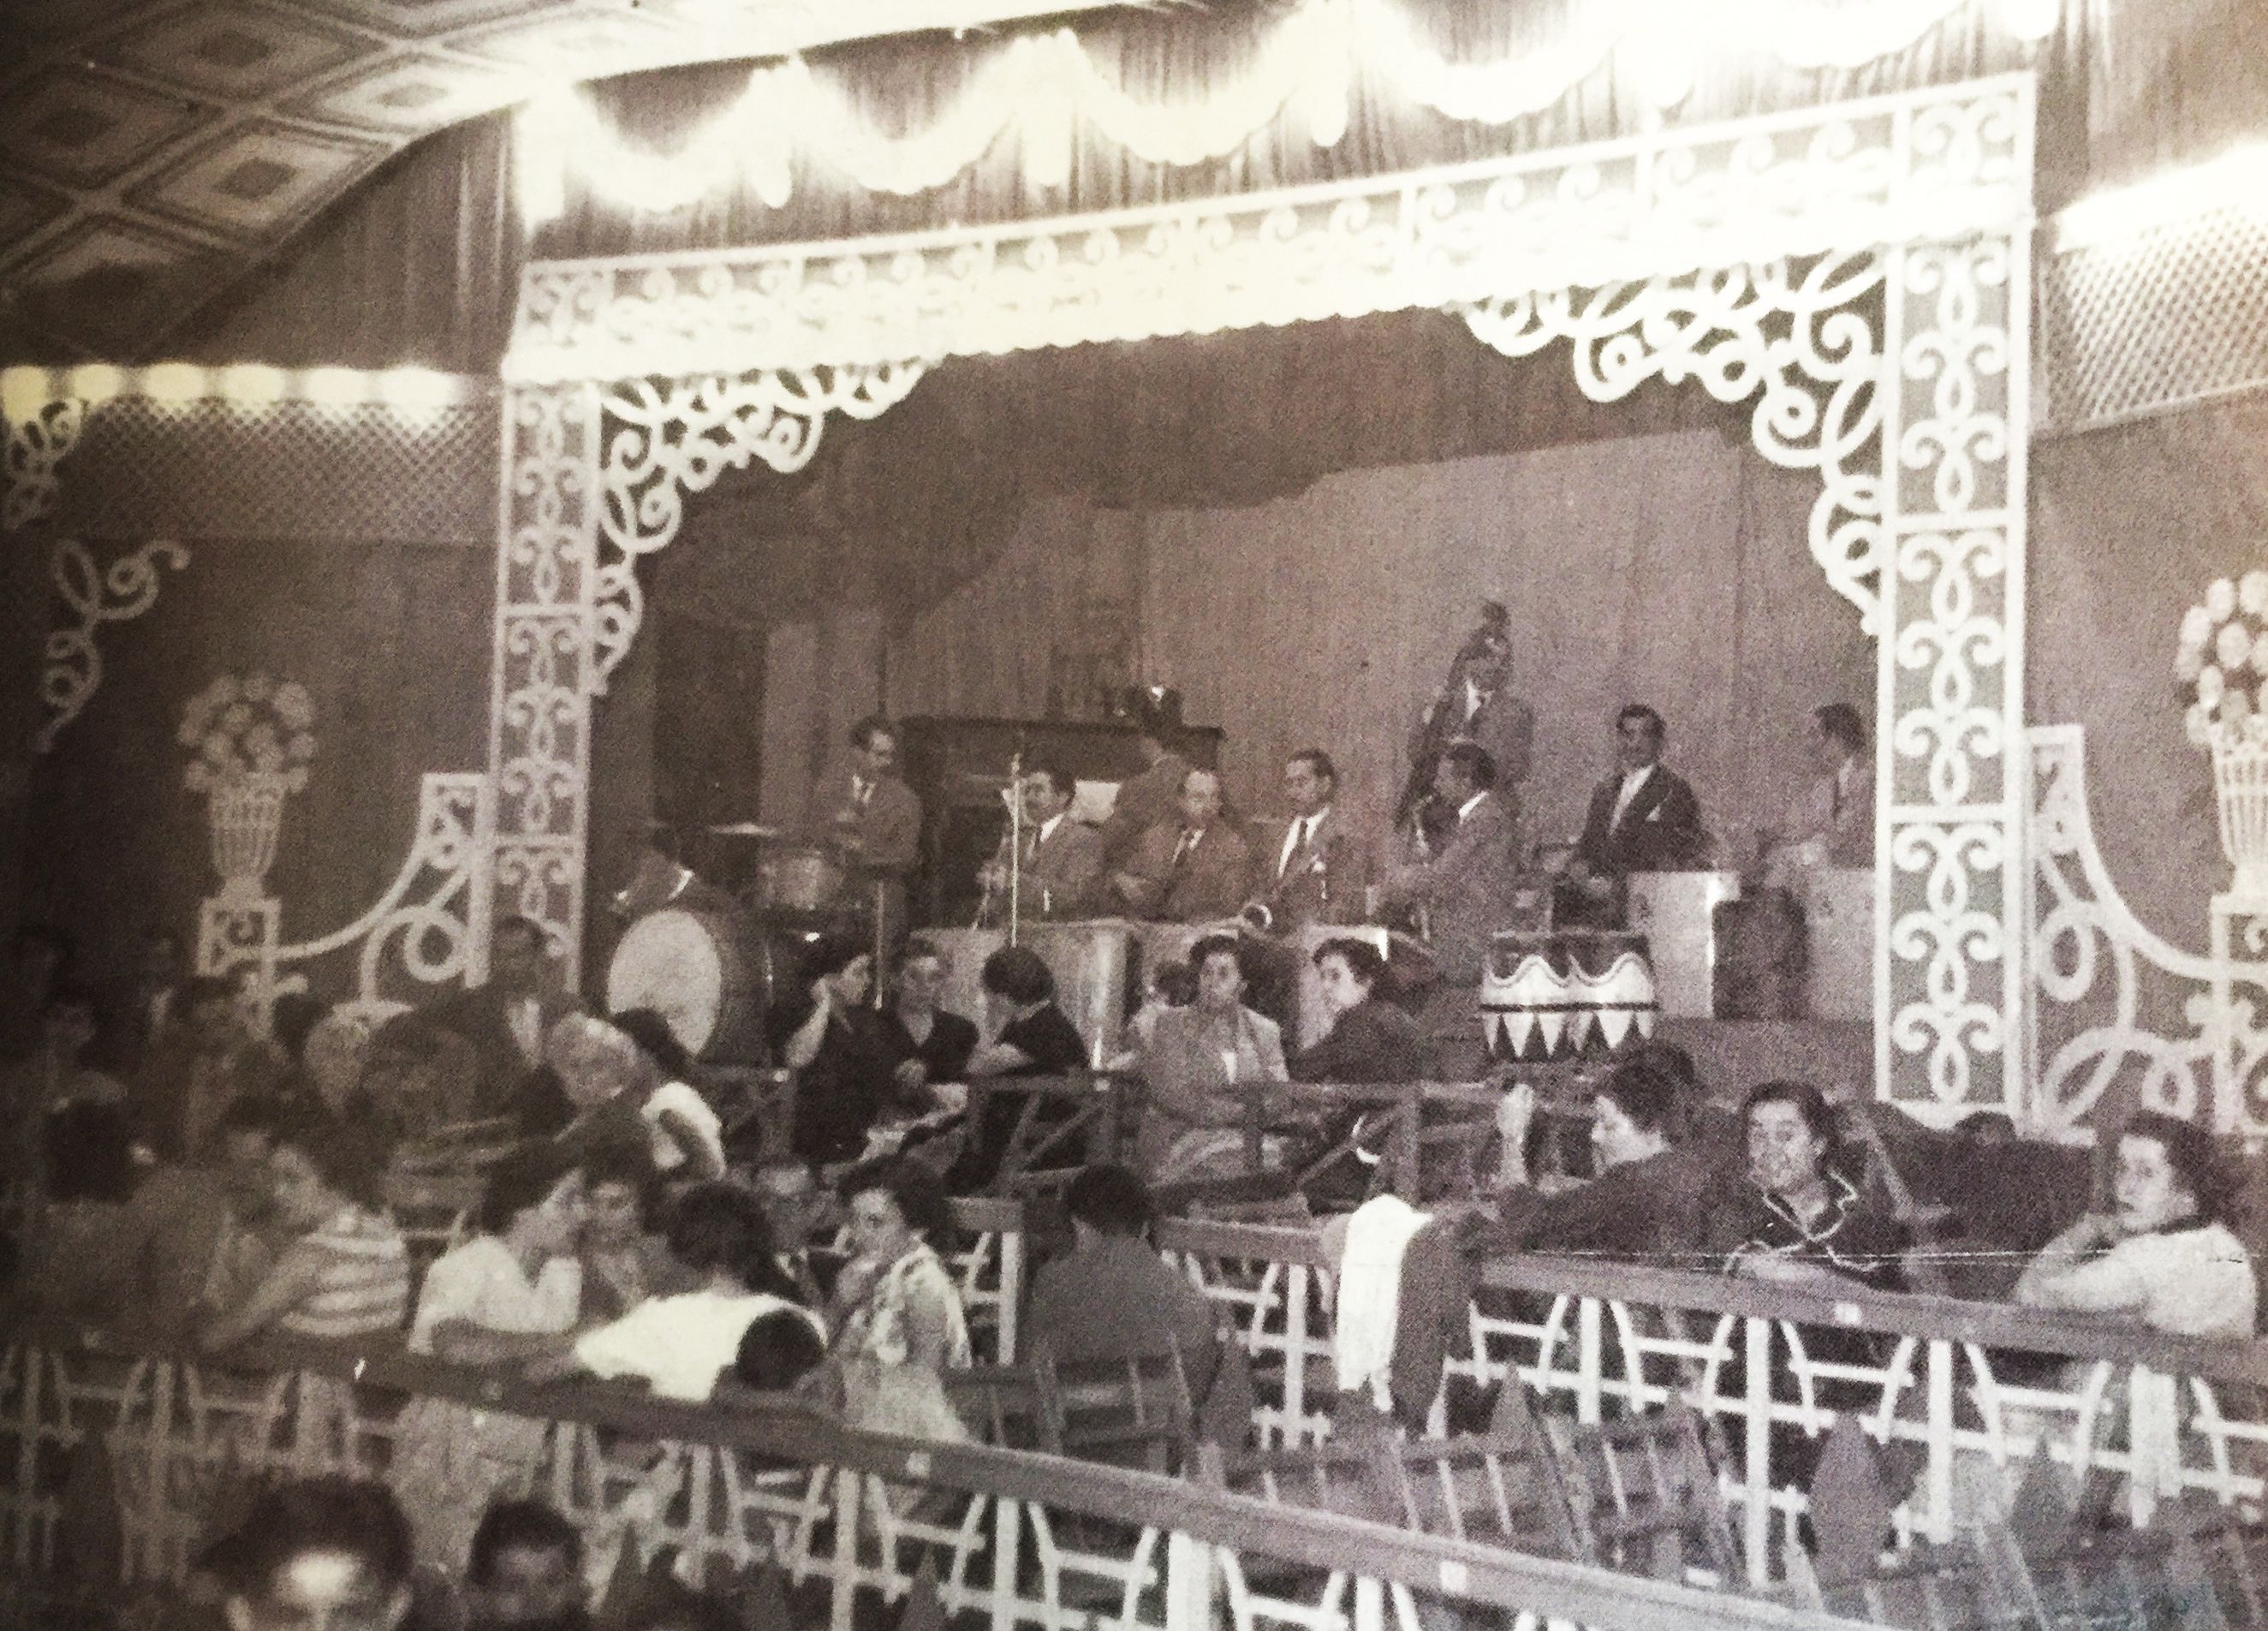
(1643, 819)
(1467, 887)
(1145, 798)
(1833, 823)
(507, 1019)
(875, 822)
(1191, 869)
(1062, 858)
(1475, 705)
(1314, 868)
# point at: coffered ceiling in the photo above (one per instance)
(153, 150)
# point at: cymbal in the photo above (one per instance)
(741, 830)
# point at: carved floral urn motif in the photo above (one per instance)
(251, 741)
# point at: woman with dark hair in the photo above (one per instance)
(2163, 1257)
(899, 1322)
(624, 1259)
(1197, 1056)
(1370, 1039)
(347, 1274)
(505, 1293)
(928, 1045)
(687, 1135)
(824, 1033)
(1799, 1219)
(1027, 1035)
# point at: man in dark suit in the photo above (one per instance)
(507, 1019)
(1466, 888)
(1476, 705)
(1191, 868)
(1061, 860)
(1314, 868)
(1642, 819)
(875, 822)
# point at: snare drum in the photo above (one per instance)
(1565, 993)
(798, 877)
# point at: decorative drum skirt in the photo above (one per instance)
(1565, 993)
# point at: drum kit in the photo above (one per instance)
(710, 957)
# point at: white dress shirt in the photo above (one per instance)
(1632, 783)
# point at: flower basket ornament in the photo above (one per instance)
(2224, 658)
(251, 742)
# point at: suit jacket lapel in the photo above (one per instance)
(1650, 794)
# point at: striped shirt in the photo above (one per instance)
(364, 1284)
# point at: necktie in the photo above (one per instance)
(861, 791)
(1302, 830)
(1181, 849)
(1835, 796)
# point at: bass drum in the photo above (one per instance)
(709, 973)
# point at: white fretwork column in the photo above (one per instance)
(542, 673)
(1950, 971)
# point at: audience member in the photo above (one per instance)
(208, 1228)
(329, 1553)
(1169, 983)
(417, 1076)
(899, 1322)
(523, 1571)
(1370, 1038)
(1649, 1199)
(1112, 1296)
(1028, 1035)
(1192, 1126)
(680, 1343)
(345, 1273)
(794, 1206)
(503, 1296)
(777, 1351)
(508, 1018)
(2163, 1257)
(1799, 1218)
(926, 1046)
(625, 1260)
(206, 1060)
(81, 1259)
(139, 1008)
(56, 1073)
(821, 1031)
(687, 1135)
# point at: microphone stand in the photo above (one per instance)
(1015, 840)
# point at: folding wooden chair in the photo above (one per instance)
(1135, 1411)
(1503, 1487)
(1645, 1497)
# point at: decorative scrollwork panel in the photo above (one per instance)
(93, 596)
(40, 435)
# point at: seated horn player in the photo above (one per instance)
(1062, 858)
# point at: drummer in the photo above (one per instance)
(875, 823)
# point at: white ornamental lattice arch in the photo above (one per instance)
(1861, 271)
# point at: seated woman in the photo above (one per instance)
(1800, 1221)
(689, 1136)
(1192, 1126)
(346, 1272)
(623, 1257)
(502, 1296)
(2163, 1258)
(1027, 1035)
(899, 1323)
(822, 1031)
(680, 1343)
(1370, 1038)
(927, 1045)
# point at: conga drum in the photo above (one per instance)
(1566, 994)
(708, 972)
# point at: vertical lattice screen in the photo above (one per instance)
(2175, 314)
(288, 470)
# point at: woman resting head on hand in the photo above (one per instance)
(2163, 1256)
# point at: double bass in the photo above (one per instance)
(1418, 815)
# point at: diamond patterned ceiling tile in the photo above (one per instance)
(411, 95)
(234, 51)
(429, 16)
(82, 128)
(101, 285)
(24, 211)
(260, 179)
